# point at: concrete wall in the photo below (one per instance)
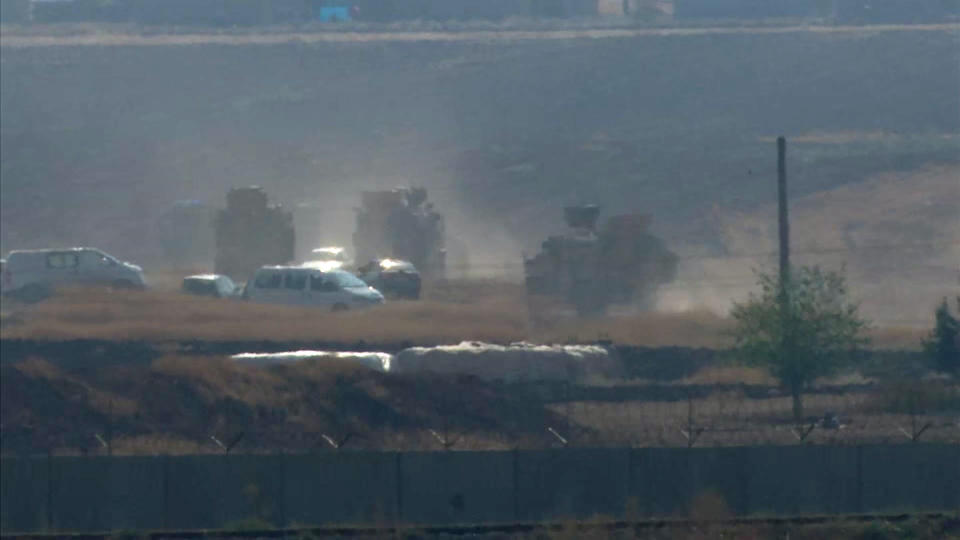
(23, 494)
(911, 477)
(103, 493)
(574, 482)
(805, 480)
(345, 487)
(193, 492)
(213, 491)
(457, 487)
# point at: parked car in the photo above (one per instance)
(302, 286)
(395, 278)
(31, 275)
(215, 285)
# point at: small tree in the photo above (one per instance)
(942, 346)
(815, 336)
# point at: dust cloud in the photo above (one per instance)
(98, 142)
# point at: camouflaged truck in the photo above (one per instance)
(401, 224)
(251, 233)
(591, 268)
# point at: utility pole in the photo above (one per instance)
(786, 317)
(784, 220)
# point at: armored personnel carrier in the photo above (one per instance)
(590, 269)
(400, 224)
(251, 233)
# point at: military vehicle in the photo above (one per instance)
(251, 233)
(400, 224)
(590, 269)
(186, 233)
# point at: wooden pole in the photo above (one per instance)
(786, 318)
(784, 218)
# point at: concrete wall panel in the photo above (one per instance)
(911, 477)
(133, 493)
(78, 494)
(791, 480)
(722, 472)
(457, 487)
(572, 483)
(660, 481)
(219, 491)
(341, 488)
(23, 494)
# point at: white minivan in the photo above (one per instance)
(32, 274)
(303, 286)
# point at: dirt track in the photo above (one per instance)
(121, 39)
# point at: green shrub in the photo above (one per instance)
(943, 345)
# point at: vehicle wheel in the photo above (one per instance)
(339, 308)
(122, 285)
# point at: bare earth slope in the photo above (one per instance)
(895, 235)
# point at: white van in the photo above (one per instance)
(302, 286)
(33, 273)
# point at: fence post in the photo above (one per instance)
(399, 487)
(282, 517)
(516, 485)
(860, 508)
(49, 491)
(629, 477)
(743, 479)
(165, 486)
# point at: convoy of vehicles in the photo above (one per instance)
(398, 237)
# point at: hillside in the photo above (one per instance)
(97, 140)
(896, 236)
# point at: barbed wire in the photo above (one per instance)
(722, 417)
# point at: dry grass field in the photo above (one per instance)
(452, 312)
(174, 404)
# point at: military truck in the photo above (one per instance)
(400, 224)
(251, 233)
(589, 269)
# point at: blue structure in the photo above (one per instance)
(334, 14)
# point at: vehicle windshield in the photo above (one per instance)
(345, 280)
(106, 259)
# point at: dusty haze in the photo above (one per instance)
(96, 140)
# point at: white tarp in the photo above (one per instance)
(514, 362)
(373, 360)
